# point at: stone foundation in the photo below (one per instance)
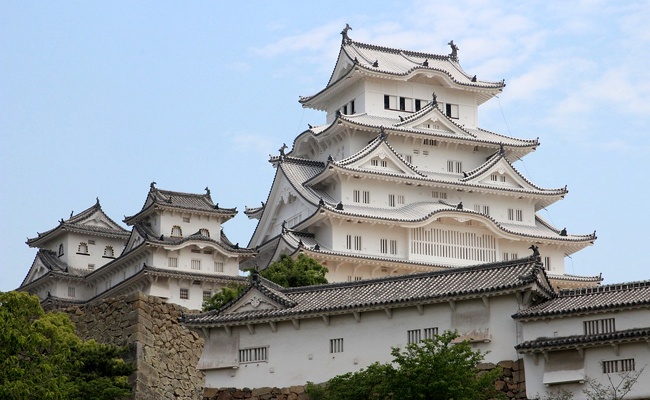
(164, 352)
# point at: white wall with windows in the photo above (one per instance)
(316, 351)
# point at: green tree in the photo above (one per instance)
(226, 295)
(433, 369)
(287, 272)
(42, 358)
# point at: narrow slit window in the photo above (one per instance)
(60, 250)
(352, 110)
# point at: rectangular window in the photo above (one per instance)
(408, 158)
(390, 102)
(515, 214)
(207, 295)
(336, 345)
(356, 196)
(71, 291)
(374, 162)
(505, 257)
(186, 219)
(430, 142)
(383, 246)
(598, 326)
(425, 152)
(616, 366)
(514, 256)
(438, 195)
(218, 266)
(391, 200)
(400, 199)
(482, 209)
(384, 163)
(429, 333)
(413, 336)
(416, 151)
(547, 263)
(256, 354)
(184, 293)
(353, 244)
(91, 266)
(345, 109)
(90, 241)
(357, 278)
(386, 102)
(418, 104)
(352, 110)
(366, 197)
(452, 110)
(393, 247)
(196, 264)
(503, 178)
(172, 262)
(494, 177)
(402, 104)
(196, 251)
(454, 166)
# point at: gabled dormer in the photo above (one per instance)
(178, 214)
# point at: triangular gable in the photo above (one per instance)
(379, 157)
(252, 300)
(99, 219)
(430, 117)
(37, 270)
(501, 173)
(343, 66)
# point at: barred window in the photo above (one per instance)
(413, 336)
(336, 345)
(255, 354)
(196, 264)
(454, 166)
(218, 266)
(207, 295)
(439, 195)
(356, 196)
(515, 214)
(598, 326)
(547, 263)
(429, 333)
(184, 293)
(204, 232)
(615, 366)
(71, 291)
(172, 262)
(60, 250)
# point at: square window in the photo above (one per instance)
(184, 293)
(336, 345)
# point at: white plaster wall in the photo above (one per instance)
(375, 89)
(297, 356)
(186, 255)
(165, 220)
(552, 327)
(592, 369)
(95, 252)
(344, 96)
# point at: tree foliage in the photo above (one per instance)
(287, 272)
(42, 358)
(433, 369)
(226, 295)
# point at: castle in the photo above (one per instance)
(421, 218)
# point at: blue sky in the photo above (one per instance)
(98, 99)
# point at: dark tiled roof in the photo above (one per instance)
(394, 291)
(76, 223)
(158, 198)
(593, 299)
(559, 343)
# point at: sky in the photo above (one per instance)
(98, 99)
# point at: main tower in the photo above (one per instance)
(402, 179)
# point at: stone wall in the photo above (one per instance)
(164, 352)
(512, 383)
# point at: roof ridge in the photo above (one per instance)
(397, 51)
(450, 271)
(614, 287)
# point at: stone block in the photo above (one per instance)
(485, 366)
(518, 365)
(297, 389)
(224, 395)
(261, 391)
(499, 385)
(303, 396)
(505, 364)
(292, 396)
